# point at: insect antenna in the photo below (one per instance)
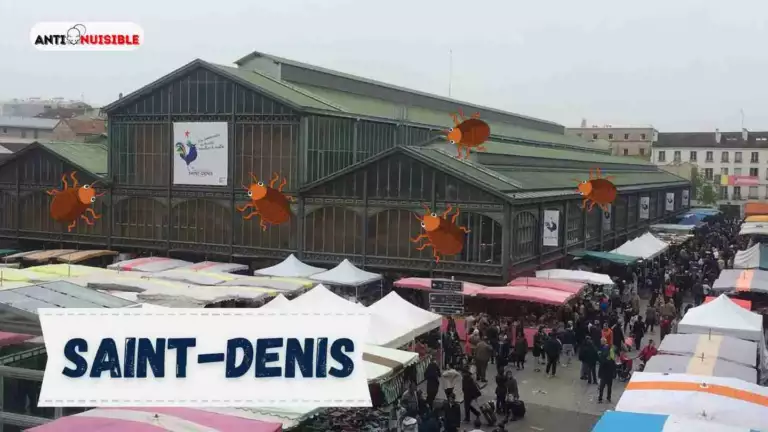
(426, 207)
(253, 177)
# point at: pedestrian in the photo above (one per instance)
(504, 353)
(483, 354)
(607, 370)
(501, 392)
(521, 351)
(432, 377)
(568, 338)
(471, 394)
(638, 331)
(589, 357)
(451, 382)
(607, 333)
(513, 395)
(618, 336)
(552, 348)
(538, 347)
(650, 318)
(451, 414)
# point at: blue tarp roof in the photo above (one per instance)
(619, 421)
(692, 219)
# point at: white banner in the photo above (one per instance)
(607, 218)
(669, 203)
(645, 208)
(551, 233)
(200, 153)
(686, 198)
(203, 358)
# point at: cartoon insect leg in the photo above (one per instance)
(93, 214)
(275, 178)
(475, 115)
(584, 202)
(251, 214)
(591, 206)
(419, 237)
(455, 215)
(466, 150)
(424, 246)
(263, 225)
(455, 118)
(75, 183)
(461, 115)
(72, 225)
(481, 148)
(458, 151)
(85, 218)
(605, 208)
(445, 213)
(245, 207)
(282, 184)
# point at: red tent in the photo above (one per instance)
(555, 284)
(746, 304)
(425, 284)
(527, 293)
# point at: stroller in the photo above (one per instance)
(625, 367)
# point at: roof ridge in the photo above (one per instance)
(482, 168)
(299, 90)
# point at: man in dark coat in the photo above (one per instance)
(589, 358)
(502, 357)
(618, 336)
(451, 414)
(552, 347)
(432, 376)
(607, 371)
(471, 393)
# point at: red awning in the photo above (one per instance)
(425, 284)
(527, 293)
(746, 304)
(13, 338)
(555, 284)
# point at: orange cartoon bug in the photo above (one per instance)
(443, 236)
(468, 133)
(597, 190)
(266, 201)
(70, 203)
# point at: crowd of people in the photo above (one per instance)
(605, 330)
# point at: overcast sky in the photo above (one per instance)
(681, 65)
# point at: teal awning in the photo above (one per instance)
(4, 252)
(608, 256)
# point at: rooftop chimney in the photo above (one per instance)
(583, 123)
(718, 136)
(744, 134)
(120, 96)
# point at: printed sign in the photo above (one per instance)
(607, 216)
(447, 285)
(203, 358)
(551, 233)
(669, 203)
(200, 153)
(645, 208)
(686, 198)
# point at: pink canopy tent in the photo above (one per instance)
(13, 338)
(155, 420)
(425, 284)
(555, 284)
(527, 293)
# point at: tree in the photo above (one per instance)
(696, 182)
(705, 191)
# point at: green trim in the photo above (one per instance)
(607, 256)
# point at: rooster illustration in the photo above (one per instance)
(187, 153)
(551, 225)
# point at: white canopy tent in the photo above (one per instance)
(417, 319)
(290, 267)
(748, 258)
(322, 299)
(277, 302)
(346, 274)
(575, 275)
(748, 228)
(647, 246)
(722, 316)
(214, 266)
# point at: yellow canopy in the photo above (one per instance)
(67, 270)
(757, 218)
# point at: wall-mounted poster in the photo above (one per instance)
(607, 217)
(645, 208)
(686, 198)
(551, 228)
(200, 153)
(669, 203)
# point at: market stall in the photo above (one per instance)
(756, 218)
(418, 320)
(555, 284)
(367, 285)
(45, 256)
(723, 317)
(606, 256)
(575, 275)
(19, 255)
(534, 294)
(737, 280)
(727, 348)
(148, 264)
(751, 258)
(647, 246)
(746, 304)
(754, 228)
(24, 275)
(700, 365)
(68, 270)
(425, 284)
(278, 301)
(156, 419)
(290, 267)
(725, 400)
(213, 266)
(617, 421)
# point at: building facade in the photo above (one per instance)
(32, 128)
(717, 154)
(361, 158)
(625, 140)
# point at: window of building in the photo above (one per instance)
(610, 136)
(662, 156)
(708, 173)
(35, 134)
(642, 151)
(626, 136)
(677, 156)
(710, 156)
(694, 156)
(626, 152)
(594, 136)
(737, 157)
(724, 171)
(723, 192)
(737, 192)
(753, 192)
(754, 157)
(23, 133)
(753, 172)
(737, 171)
(724, 157)
(642, 136)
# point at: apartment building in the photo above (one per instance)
(741, 155)
(32, 128)
(625, 140)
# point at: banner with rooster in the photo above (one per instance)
(551, 233)
(645, 208)
(200, 153)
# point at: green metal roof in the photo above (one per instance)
(463, 168)
(531, 179)
(561, 154)
(90, 157)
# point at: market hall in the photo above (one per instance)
(361, 159)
